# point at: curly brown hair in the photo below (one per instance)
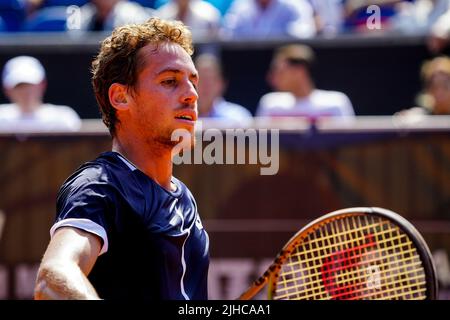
(118, 60)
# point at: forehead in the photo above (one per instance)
(166, 55)
(278, 63)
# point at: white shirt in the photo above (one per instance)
(441, 28)
(231, 112)
(47, 118)
(320, 103)
(123, 13)
(202, 18)
(282, 18)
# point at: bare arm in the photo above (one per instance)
(69, 258)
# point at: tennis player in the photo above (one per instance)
(126, 228)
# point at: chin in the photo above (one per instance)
(181, 138)
(182, 146)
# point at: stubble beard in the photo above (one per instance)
(165, 141)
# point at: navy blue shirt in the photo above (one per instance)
(154, 244)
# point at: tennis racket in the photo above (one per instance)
(352, 254)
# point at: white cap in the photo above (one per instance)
(22, 69)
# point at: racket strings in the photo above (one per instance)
(314, 279)
(354, 257)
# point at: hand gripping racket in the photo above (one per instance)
(352, 254)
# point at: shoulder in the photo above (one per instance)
(131, 12)
(206, 10)
(167, 9)
(329, 94)
(241, 8)
(276, 100)
(413, 112)
(295, 5)
(59, 117)
(336, 100)
(335, 97)
(8, 110)
(129, 6)
(59, 109)
(5, 106)
(233, 109)
(90, 173)
(104, 170)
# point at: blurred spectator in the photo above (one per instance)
(329, 16)
(435, 98)
(296, 95)
(419, 16)
(33, 5)
(103, 15)
(260, 19)
(357, 14)
(2, 25)
(202, 17)
(12, 13)
(211, 88)
(439, 37)
(24, 85)
(221, 5)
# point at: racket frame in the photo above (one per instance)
(271, 274)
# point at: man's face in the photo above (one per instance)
(211, 86)
(439, 89)
(26, 95)
(282, 76)
(165, 95)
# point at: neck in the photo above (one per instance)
(303, 90)
(29, 107)
(155, 161)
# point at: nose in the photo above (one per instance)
(190, 95)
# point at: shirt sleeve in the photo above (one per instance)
(85, 202)
(347, 107)
(261, 109)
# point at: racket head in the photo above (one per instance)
(355, 254)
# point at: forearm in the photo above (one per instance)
(63, 282)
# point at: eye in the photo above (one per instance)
(169, 82)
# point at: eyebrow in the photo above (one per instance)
(170, 70)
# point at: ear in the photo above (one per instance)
(118, 96)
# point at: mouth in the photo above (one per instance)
(187, 116)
